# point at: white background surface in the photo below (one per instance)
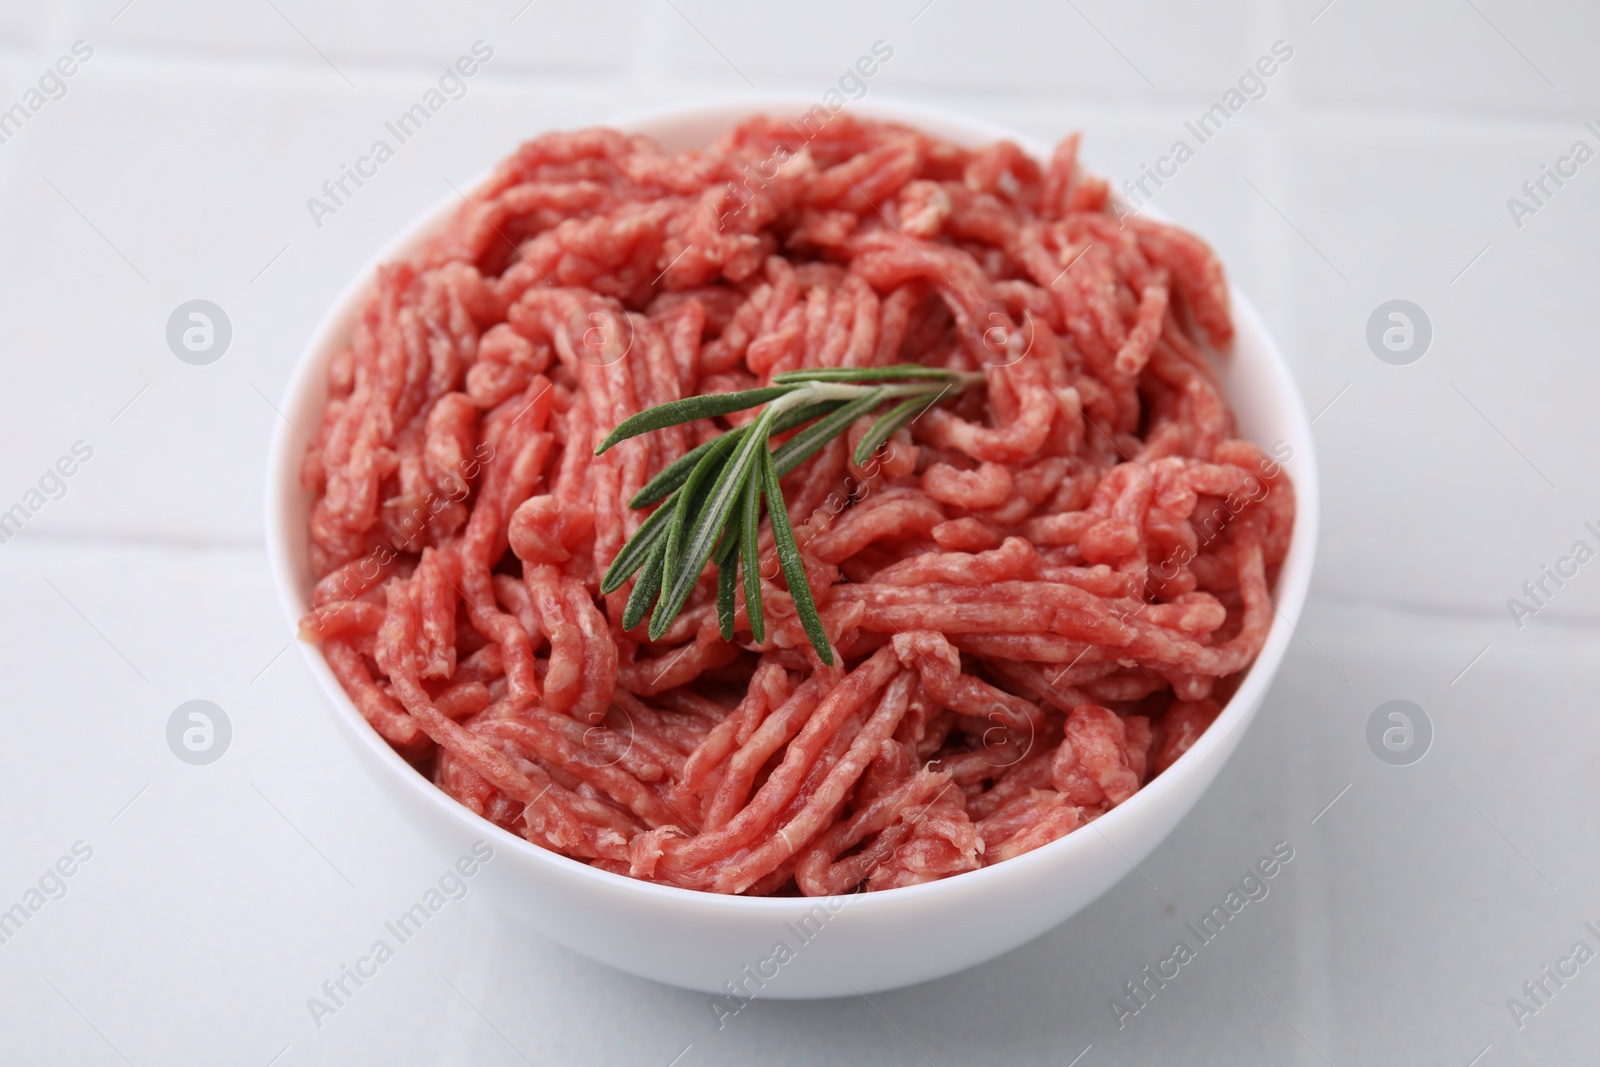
(1377, 166)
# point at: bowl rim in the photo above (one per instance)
(309, 375)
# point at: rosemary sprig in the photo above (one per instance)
(711, 496)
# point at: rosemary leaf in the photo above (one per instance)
(689, 409)
(749, 535)
(884, 428)
(636, 551)
(646, 588)
(794, 571)
(730, 539)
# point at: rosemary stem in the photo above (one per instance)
(816, 392)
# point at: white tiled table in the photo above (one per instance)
(1377, 165)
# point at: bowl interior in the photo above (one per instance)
(1258, 385)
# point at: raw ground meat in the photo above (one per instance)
(1039, 595)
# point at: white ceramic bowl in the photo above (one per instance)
(859, 943)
